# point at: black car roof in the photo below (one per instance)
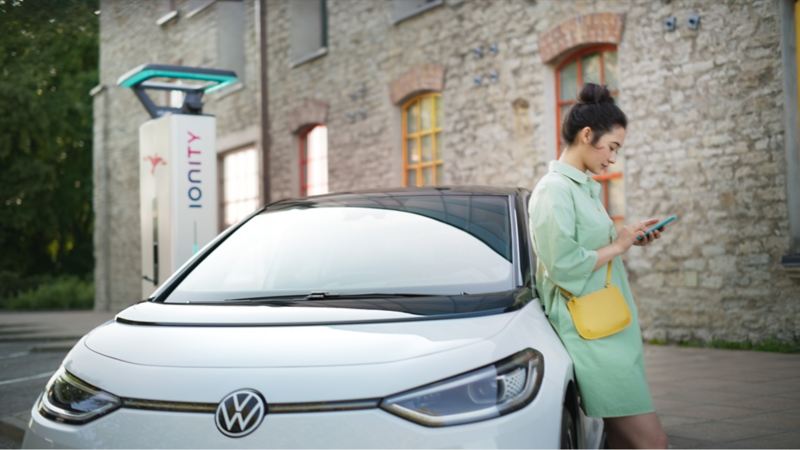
(346, 196)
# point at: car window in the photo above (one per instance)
(435, 245)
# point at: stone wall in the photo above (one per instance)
(705, 139)
(707, 144)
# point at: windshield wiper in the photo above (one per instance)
(328, 295)
(295, 298)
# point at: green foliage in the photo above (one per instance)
(13, 283)
(67, 292)
(48, 65)
(766, 345)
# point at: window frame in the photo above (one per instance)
(578, 56)
(435, 133)
(322, 50)
(302, 152)
(170, 13)
(427, 6)
(221, 180)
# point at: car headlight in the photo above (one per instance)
(67, 399)
(484, 393)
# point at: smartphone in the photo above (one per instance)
(659, 225)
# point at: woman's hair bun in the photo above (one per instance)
(594, 93)
(595, 109)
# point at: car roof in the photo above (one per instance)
(371, 194)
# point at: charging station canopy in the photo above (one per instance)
(192, 81)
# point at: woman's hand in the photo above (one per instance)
(649, 238)
(626, 237)
(628, 234)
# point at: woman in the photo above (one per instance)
(574, 240)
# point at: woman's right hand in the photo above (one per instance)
(627, 235)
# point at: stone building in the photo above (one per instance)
(350, 94)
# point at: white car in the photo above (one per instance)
(378, 319)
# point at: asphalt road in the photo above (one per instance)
(23, 374)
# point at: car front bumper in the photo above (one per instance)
(535, 426)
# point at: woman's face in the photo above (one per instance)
(604, 153)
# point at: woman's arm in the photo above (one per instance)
(552, 224)
(626, 238)
(606, 254)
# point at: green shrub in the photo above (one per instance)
(766, 345)
(13, 283)
(66, 292)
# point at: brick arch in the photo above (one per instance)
(422, 78)
(600, 28)
(309, 112)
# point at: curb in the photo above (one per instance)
(58, 346)
(35, 338)
(18, 331)
(13, 428)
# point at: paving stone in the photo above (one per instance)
(711, 397)
(705, 411)
(717, 431)
(767, 389)
(763, 403)
(781, 440)
(684, 442)
(670, 406)
(669, 420)
(794, 394)
(780, 421)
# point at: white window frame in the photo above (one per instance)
(426, 6)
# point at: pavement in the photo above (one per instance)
(705, 398)
(51, 330)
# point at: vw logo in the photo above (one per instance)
(240, 413)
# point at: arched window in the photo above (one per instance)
(421, 136)
(596, 64)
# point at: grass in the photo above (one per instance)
(766, 345)
(62, 293)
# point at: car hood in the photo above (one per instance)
(158, 334)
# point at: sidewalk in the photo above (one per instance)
(711, 398)
(58, 329)
(705, 398)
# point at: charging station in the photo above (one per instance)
(177, 168)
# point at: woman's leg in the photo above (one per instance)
(640, 431)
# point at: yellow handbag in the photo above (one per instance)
(601, 313)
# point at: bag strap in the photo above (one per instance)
(608, 282)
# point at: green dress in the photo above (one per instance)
(569, 223)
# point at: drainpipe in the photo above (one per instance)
(789, 55)
(266, 140)
(101, 199)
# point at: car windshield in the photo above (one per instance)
(436, 245)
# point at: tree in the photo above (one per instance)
(48, 65)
